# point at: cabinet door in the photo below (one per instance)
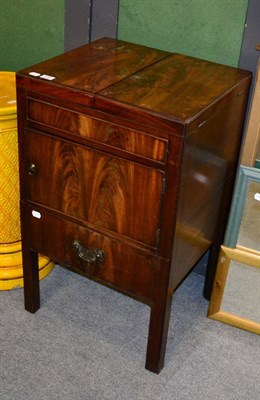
(107, 192)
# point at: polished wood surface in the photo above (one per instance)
(131, 154)
(97, 130)
(108, 192)
(125, 267)
(209, 167)
(177, 87)
(90, 68)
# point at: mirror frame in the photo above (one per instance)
(246, 174)
(230, 250)
(215, 312)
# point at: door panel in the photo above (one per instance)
(107, 191)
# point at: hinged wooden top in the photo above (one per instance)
(137, 82)
(178, 87)
(90, 68)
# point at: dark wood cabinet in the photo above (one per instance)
(127, 162)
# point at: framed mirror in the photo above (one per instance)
(235, 298)
(243, 230)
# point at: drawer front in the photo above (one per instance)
(122, 266)
(108, 192)
(99, 131)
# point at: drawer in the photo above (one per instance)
(112, 135)
(108, 192)
(124, 267)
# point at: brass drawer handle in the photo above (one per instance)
(92, 256)
(32, 169)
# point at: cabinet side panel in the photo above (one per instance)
(209, 166)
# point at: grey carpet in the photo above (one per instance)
(88, 342)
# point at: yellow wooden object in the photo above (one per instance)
(11, 274)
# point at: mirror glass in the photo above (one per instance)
(249, 232)
(242, 291)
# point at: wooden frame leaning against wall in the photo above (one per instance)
(236, 286)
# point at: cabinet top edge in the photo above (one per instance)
(121, 77)
(94, 66)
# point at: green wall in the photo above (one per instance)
(33, 30)
(30, 31)
(208, 29)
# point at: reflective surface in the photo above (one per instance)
(242, 291)
(235, 297)
(249, 232)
